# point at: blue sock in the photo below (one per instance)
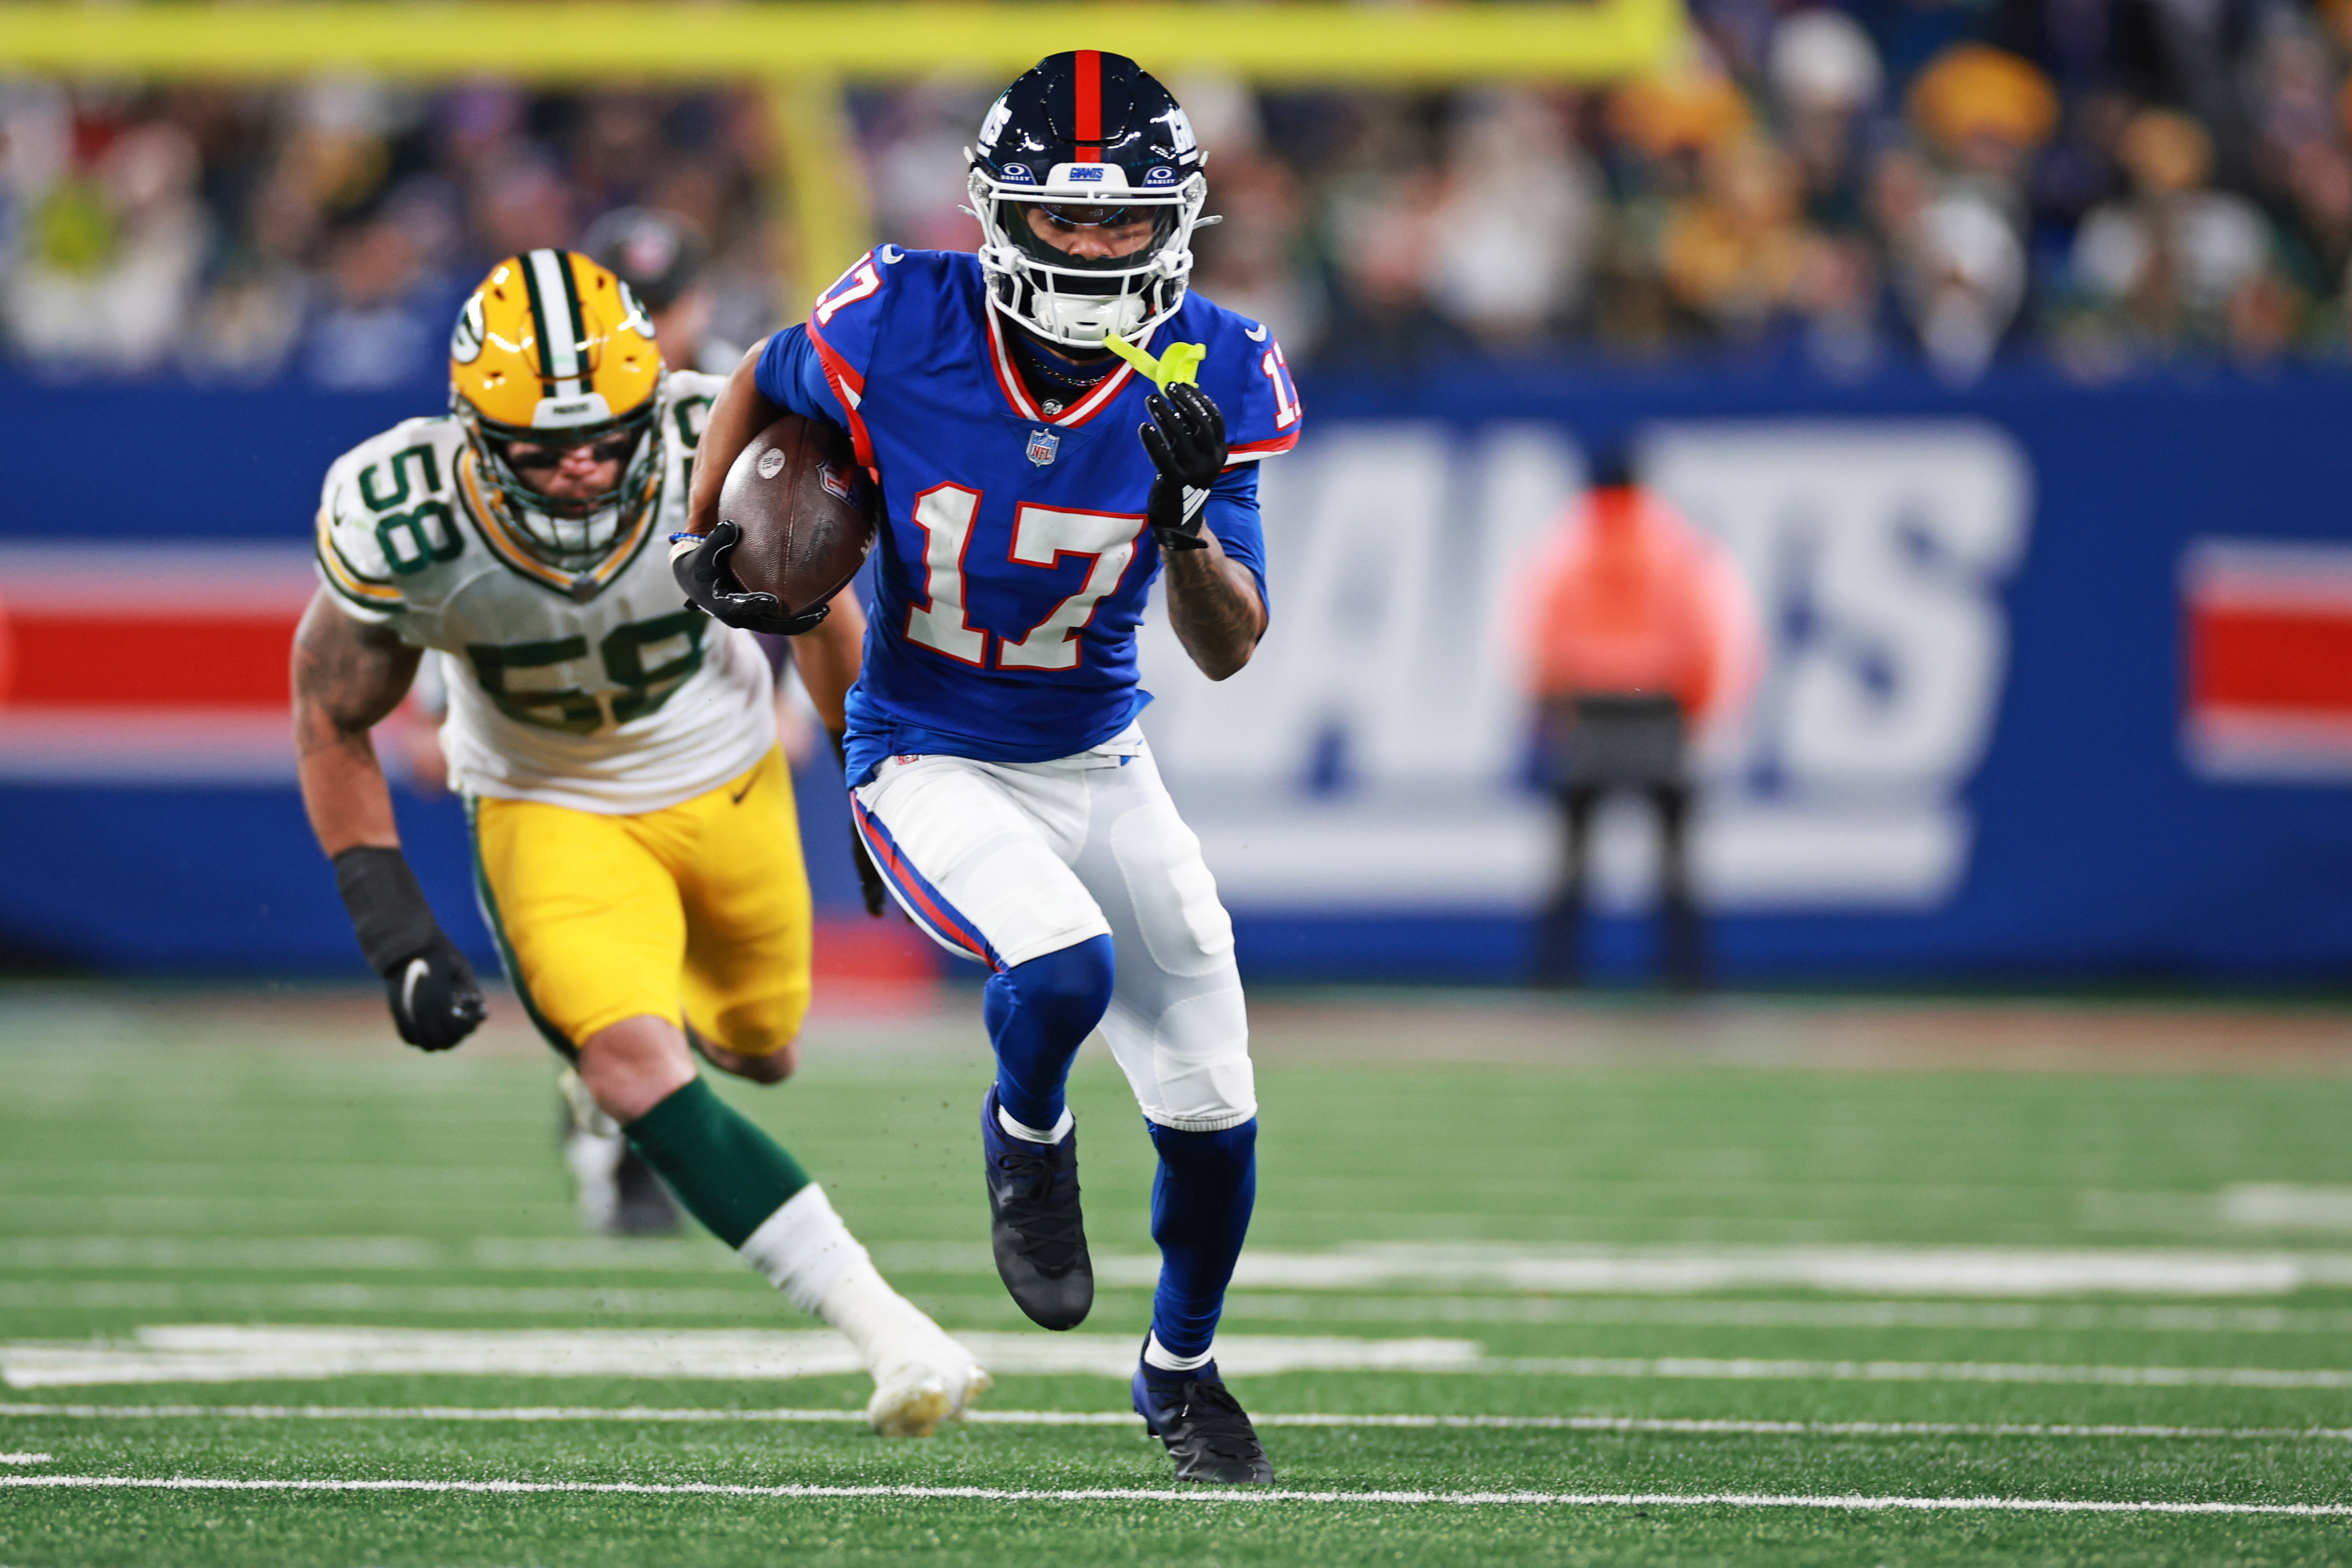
(1038, 1014)
(1201, 1203)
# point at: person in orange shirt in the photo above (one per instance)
(1641, 629)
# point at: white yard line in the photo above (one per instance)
(1845, 1269)
(1743, 1370)
(1660, 1271)
(236, 1353)
(1213, 1495)
(233, 1353)
(2283, 1206)
(750, 1300)
(640, 1414)
(257, 1254)
(602, 1256)
(24, 1458)
(1666, 1311)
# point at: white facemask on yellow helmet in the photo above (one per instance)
(553, 352)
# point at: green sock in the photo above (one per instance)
(729, 1174)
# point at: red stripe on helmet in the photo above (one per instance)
(1090, 86)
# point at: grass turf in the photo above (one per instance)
(267, 1166)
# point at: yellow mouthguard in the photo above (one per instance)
(1178, 364)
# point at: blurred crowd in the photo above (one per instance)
(330, 230)
(2094, 184)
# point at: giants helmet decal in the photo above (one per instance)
(553, 352)
(1087, 139)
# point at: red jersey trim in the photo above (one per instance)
(1008, 381)
(1251, 451)
(850, 388)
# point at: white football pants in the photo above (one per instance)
(1006, 861)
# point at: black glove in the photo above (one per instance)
(435, 999)
(869, 878)
(870, 885)
(699, 564)
(1187, 443)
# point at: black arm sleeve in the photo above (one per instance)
(388, 910)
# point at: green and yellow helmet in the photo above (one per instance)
(554, 350)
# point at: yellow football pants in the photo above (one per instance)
(698, 913)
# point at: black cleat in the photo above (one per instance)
(1205, 1429)
(646, 1206)
(1035, 1227)
(619, 1194)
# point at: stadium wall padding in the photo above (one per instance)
(2094, 849)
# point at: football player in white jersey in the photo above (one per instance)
(635, 846)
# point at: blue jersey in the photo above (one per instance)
(1014, 563)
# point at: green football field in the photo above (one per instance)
(1744, 1281)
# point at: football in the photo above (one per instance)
(805, 508)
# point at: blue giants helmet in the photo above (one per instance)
(1087, 139)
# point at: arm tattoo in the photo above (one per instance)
(347, 674)
(1216, 617)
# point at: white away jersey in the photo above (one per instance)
(600, 691)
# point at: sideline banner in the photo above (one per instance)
(2060, 683)
(1374, 754)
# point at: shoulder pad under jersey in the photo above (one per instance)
(686, 397)
(1244, 373)
(845, 324)
(388, 515)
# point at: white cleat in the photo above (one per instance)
(933, 1380)
(921, 1375)
(592, 1148)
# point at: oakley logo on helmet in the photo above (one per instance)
(1162, 176)
(1018, 174)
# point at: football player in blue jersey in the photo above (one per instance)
(1054, 422)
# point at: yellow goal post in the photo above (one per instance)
(803, 55)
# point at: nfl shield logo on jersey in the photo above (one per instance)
(1043, 446)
